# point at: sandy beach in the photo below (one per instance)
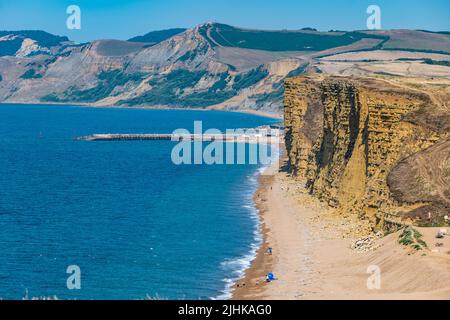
(312, 255)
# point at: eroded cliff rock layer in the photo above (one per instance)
(349, 141)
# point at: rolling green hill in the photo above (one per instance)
(157, 36)
(414, 40)
(112, 48)
(212, 65)
(302, 40)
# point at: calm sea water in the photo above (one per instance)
(134, 223)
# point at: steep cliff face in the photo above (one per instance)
(345, 136)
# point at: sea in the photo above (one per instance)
(118, 219)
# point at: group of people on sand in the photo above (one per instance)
(270, 276)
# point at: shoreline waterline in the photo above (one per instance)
(245, 262)
(312, 256)
(238, 265)
(256, 257)
(142, 212)
(259, 113)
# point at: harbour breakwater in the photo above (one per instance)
(259, 135)
(238, 138)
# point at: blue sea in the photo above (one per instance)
(135, 224)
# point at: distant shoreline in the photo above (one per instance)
(263, 262)
(264, 114)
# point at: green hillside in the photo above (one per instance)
(113, 48)
(169, 89)
(413, 40)
(108, 81)
(302, 40)
(157, 36)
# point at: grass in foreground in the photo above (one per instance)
(413, 238)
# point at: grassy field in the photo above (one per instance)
(157, 36)
(303, 40)
(415, 40)
(111, 48)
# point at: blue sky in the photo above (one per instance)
(122, 19)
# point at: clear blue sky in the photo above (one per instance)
(122, 19)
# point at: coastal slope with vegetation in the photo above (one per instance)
(210, 66)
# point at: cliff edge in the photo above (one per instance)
(370, 147)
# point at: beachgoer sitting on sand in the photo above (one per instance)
(269, 250)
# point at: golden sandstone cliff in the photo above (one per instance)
(369, 148)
